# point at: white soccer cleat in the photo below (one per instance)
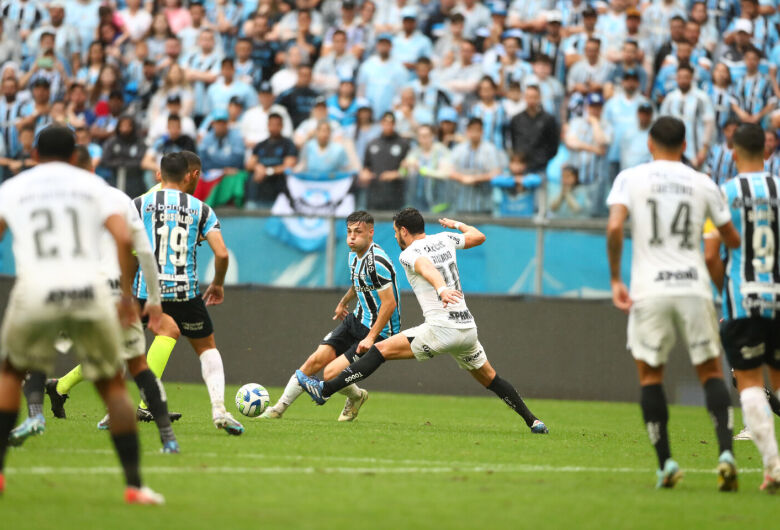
(772, 477)
(351, 408)
(228, 423)
(272, 413)
(744, 434)
(143, 495)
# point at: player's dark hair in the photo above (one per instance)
(82, 159)
(193, 160)
(360, 216)
(174, 167)
(411, 219)
(56, 143)
(668, 132)
(749, 137)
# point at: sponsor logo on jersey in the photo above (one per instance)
(689, 274)
(461, 315)
(59, 296)
(433, 247)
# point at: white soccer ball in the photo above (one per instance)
(252, 399)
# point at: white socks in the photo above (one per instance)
(352, 392)
(214, 377)
(290, 394)
(760, 421)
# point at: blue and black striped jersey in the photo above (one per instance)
(369, 274)
(752, 283)
(175, 222)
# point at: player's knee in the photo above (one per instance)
(168, 328)
(314, 363)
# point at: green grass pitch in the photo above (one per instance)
(408, 462)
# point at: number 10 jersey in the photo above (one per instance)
(668, 203)
(175, 223)
(752, 286)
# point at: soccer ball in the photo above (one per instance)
(252, 399)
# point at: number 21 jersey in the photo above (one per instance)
(668, 203)
(175, 222)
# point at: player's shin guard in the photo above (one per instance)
(126, 445)
(290, 394)
(504, 390)
(153, 393)
(33, 388)
(158, 355)
(719, 405)
(214, 377)
(656, 416)
(760, 421)
(357, 371)
(7, 422)
(69, 380)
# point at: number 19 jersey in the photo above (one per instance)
(175, 222)
(752, 286)
(668, 203)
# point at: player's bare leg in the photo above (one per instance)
(124, 434)
(719, 406)
(760, 421)
(487, 377)
(214, 376)
(655, 413)
(10, 399)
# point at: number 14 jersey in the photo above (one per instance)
(175, 222)
(752, 286)
(668, 203)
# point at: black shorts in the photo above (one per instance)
(346, 337)
(190, 315)
(751, 342)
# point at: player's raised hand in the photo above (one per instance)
(447, 223)
(154, 313)
(341, 312)
(450, 296)
(620, 296)
(214, 295)
(127, 309)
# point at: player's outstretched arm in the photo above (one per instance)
(342, 309)
(386, 308)
(215, 293)
(117, 227)
(618, 214)
(729, 235)
(473, 236)
(427, 270)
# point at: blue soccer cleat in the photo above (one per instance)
(229, 424)
(29, 427)
(727, 472)
(312, 386)
(669, 475)
(170, 447)
(539, 428)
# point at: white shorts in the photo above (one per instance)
(133, 341)
(462, 343)
(34, 322)
(653, 325)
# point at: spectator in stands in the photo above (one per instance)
(447, 47)
(629, 62)
(571, 200)
(198, 21)
(201, 68)
(514, 193)
(159, 126)
(174, 84)
(771, 157)
(23, 157)
(359, 134)
(122, 156)
(633, 146)
(342, 106)
(267, 165)
(591, 73)
(574, 46)
(720, 162)
(107, 115)
(754, 94)
(507, 66)
(550, 89)
(36, 112)
(410, 44)
(740, 42)
(620, 113)
(551, 45)
(489, 109)
(95, 151)
(321, 156)
(173, 142)
(381, 179)
(308, 127)
(67, 43)
(535, 133)
(722, 98)
(428, 95)
(476, 15)
(96, 58)
(380, 77)
(222, 156)
(135, 20)
(254, 122)
(108, 81)
(299, 100)
(427, 167)
(50, 67)
(356, 34)
(461, 79)
(158, 37)
(587, 138)
(227, 87)
(676, 35)
(335, 67)
(475, 163)
(246, 69)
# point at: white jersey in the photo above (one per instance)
(56, 213)
(440, 249)
(668, 203)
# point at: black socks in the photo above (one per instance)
(33, 392)
(357, 371)
(719, 405)
(127, 449)
(153, 394)
(656, 416)
(504, 390)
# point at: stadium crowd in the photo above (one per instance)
(520, 108)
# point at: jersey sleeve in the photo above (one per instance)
(381, 275)
(455, 239)
(209, 221)
(409, 257)
(110, 203)
(619, 193)
(717, 207)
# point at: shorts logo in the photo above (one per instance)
(192, 326)
(473, 357)
(427, 351)
(328, 336)
(751, 352)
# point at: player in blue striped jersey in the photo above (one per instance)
(377, 316)
(750, 279)
(176, 222)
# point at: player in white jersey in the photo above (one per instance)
(668, 203)
(57, 214)
(133, 339)
(449, 328)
